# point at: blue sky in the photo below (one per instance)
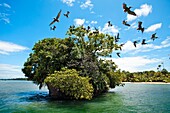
(24, 22)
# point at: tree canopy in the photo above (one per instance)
(82, 50)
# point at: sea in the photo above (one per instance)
(25, 97)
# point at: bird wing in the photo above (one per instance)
(68, 12)
(52, 22)
(118, 54)
(135, 44)
(132, 13)
(118, 36)
(127, 24)
(59, 13)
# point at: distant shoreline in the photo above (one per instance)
(147, 82)
(15, 79)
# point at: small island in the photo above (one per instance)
(74, 67)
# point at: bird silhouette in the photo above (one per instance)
(67, 14)
(96, 31)
(127, 9)
(140, 27)
(143, 42)
(56, 19)
(153, 37)
(117, 37)
(88, 28)
(118, 54)
(109, 23)
(121, 45)
(135, 42)
(53, 28)
(125, 23)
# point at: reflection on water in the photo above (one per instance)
(25, 97)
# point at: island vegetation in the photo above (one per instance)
(146, 76)
(74, 67)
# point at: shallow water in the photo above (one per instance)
(25, 97)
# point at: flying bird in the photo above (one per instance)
(127, 9)
(117, 37)
(109, 23)
(67, 14)
(140, 27)
(53, 28)
(135, 42)
(96, 31)
(118, 54)
(125, 23)
(88, 28)
(143, 42)
(121, 45)
(153, 37)
(56, 19)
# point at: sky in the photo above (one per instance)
(25, 22)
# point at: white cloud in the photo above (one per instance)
(153, 27)
(6, 20)
(92, 12)
(135, 64)
(87, 4)
(100, 16)
(7, 47)
(112, 30)
(130, 48)
(79, 22)
(4, 16)
(6, 5)
(93, 22)
(166, 41)
(144, 10)
(10, 71)
(68, 2)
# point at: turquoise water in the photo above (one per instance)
(25, 97)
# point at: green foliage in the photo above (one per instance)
(92, 45)
(80, 51)
(147, 76)
(48, 55)
(115, 78)
(71, 84)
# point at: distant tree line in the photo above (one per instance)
(15, 79)
(146, 76)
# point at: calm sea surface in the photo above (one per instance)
(25, 97)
